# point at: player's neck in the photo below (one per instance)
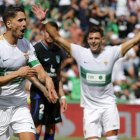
(97, 52)
(9, 38)
(48, 45)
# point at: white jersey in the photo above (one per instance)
(11, 59)
(95, 75)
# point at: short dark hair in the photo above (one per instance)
(95, 29)
(54, 24)
(11, 11)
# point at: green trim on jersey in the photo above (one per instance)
(17, 81)
(2, 73)
(5, 71)
(33, 63)
(94, 78)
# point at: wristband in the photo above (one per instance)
(63, 97)
(44, 21)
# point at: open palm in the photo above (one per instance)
(39, 12)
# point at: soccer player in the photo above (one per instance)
(15, 54)
(44, 112)
(95, 67)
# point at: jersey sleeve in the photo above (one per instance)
(32, 61)
(75, 51)
(116, 52)
(64, 55)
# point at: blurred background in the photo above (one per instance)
(120, 20)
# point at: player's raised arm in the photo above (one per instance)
(41, 15)
(130, 43)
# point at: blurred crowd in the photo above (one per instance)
(120, 20)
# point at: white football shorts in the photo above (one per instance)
(97, 121)
(15, 120)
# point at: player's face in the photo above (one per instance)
(95, 42)
(47, 37)
(18, 25)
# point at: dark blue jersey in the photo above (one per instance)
(51, 59)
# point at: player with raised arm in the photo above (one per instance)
(95, 67)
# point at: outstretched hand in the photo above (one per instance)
(39, 12)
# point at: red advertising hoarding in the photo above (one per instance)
(73, 126)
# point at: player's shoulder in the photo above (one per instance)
(23, 44)
(56, 47)
(2, 41)
(37, 44)
(76, 47)
(23, 41)
(112, 48)
(1, 37)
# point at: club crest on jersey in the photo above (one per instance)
(26, 56)
(105, 62)
(57, 59)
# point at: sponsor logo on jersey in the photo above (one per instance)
(115, 125)
(97, 78)
(52, 69)
(32, 127)
(57, 118)
(26, 56)
(46, 59)
(57, 59)
(85, 62)
(105, 62)
(5, 60)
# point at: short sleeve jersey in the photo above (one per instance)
(95, 75)
(12, 57)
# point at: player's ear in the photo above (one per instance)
(87, 40)
(8, 24)
(104, 39)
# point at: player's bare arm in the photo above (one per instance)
(63, 102)
(130, 43)
(20, 73)
(41, 14)
(40, 86)
(47, 81)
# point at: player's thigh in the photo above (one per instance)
(110, 119)
(52, 113)
(22, 122)
(26, 136)
(37, 110)
(50, 129)
(5, 120)
(5, 136)
(92, 123)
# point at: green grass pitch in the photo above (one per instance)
(75, 138)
